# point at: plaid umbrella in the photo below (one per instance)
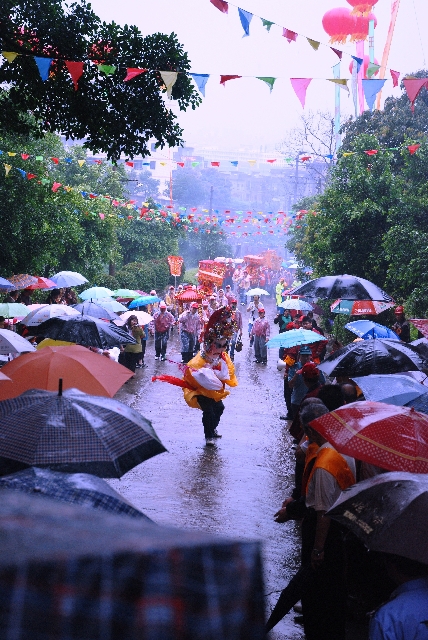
(84, 330)
(79, 574)
(46, 311)
(77, 488)
(22, 280)
(73, 432)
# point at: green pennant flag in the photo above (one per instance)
(267, 23)
(108, 69)
(39, 158)
(268, 80)
(372, 69)
(195, 164)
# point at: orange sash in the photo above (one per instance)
(330, 460)
(311, 453)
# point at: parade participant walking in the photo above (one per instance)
(190, 326)
(132, 352)
(243, 285)
(212, 304)
(280, 287)
(222, 301)
(252, 309)
(163, 320)
(237, 335)
(229, 293)
(261, 333)
(237, 274)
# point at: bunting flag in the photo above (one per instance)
(413, 87)
(133, 72)
(337, 52)
(395, 76)
(234, 162)
(290, 36)
(7, 168)
(372, 68)
(9, 55)
(413, 148)
(314, 44)
(342, 83)
(252, 162)
(359, 62)
(201, 80)
(81, 162)
(107, 69)
(300, 86)
(224, 79)
(267, 24)
(169, 78)
(245, 17)
(75, 69)
(43, 65)
(371, 88)
(221, 5)
(268, 80)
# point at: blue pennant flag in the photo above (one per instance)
(43, 65)
(68, 160)
(201, 80)
(234, 162)
(359, 62)
(22, 172)
(371, 88)
(246, 18)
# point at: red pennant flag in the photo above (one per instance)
(30, 176)
(98, 161)
(413, 86)
(224, 79)
(25, 156)
(132, 73)
(305, 158)
(271, 161)
(412, 149)
(130, 217)
(55, 160)
(93, 196)
(215, 164)
(56, 186)
(337, 52)
(371, 152)
(221, 5)
(129, 164)
(395, 75)
(291, 36)
(180, 164)
(75, 69)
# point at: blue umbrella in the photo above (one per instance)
(5, 284)
(367, 329)
(293, 338)
(95, 292)
(141, 302)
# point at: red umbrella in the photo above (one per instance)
(389, 436)
(190, 295)
(42, 283)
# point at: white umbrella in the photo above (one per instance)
(68, 279)
(94, 293)
(46, 312)
(11, 342)
(111, 305)
(257, 292)
(297, 304)
(143, 317)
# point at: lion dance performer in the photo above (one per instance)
(207, 374)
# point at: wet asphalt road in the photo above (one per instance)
(233, 488)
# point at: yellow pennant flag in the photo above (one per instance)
(11, 153)
(81, 162)
(342, 82)
(348, 153)
(9, 55)
(252, 162)
(314, 44)
(7, 168)
(163, 164)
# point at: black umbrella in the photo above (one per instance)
(388, 513)
(345, 286)
(89, 308)
(73, 432)
(380, 355)
(77, 488)
(84, 330)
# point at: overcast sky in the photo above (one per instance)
(244, 113)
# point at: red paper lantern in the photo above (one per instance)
(365, 66)
(362, 7)
(338, 24)
(360, 27)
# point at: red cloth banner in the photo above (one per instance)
(175, 264)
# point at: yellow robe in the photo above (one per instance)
(190, 394)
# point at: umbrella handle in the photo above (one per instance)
(60, 387)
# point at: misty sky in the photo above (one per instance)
(244, 113)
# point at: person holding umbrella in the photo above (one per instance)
(133, 352)
(401, 325)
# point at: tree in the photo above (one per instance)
(141, 240)
(205, 244)
(147, 186)
(110, 115)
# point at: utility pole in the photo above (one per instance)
(211, 199)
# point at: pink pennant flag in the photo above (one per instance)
(132, 73)
(395, 75)
(102, 216)
(75, 69)
(291, 36)
(300, 86)
(56, 186)
(413, 87)
(25, 156)
(221, 5)
(224, 79)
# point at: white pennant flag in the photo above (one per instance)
(169, 78)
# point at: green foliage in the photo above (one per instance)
(190, 275)
(144, 275)
(203, 187)
(141, 240)
(112, 116)
(203, 246)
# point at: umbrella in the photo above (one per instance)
(65, 279)
(90, 575)
(294, 337)
(143, 317)
(144, 300)
(189, 295)
(22, 281)
(47, 342)
(388, 513)
(77, 366)
(76, 488)
(73, 432)
(3, 376)
(257, 292)
(390, 388)
(367, 329)
(373, 356)
(421, 325)
(94, 310)
(125, 293)
(344, 286)
(6, 284)
(296, 303)
(390, 437)
(11, 342)
(360, 307)
(84, 330)
(45, 312)
(13, 310)
(111, 305)
(42, 283)
(95, 292)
